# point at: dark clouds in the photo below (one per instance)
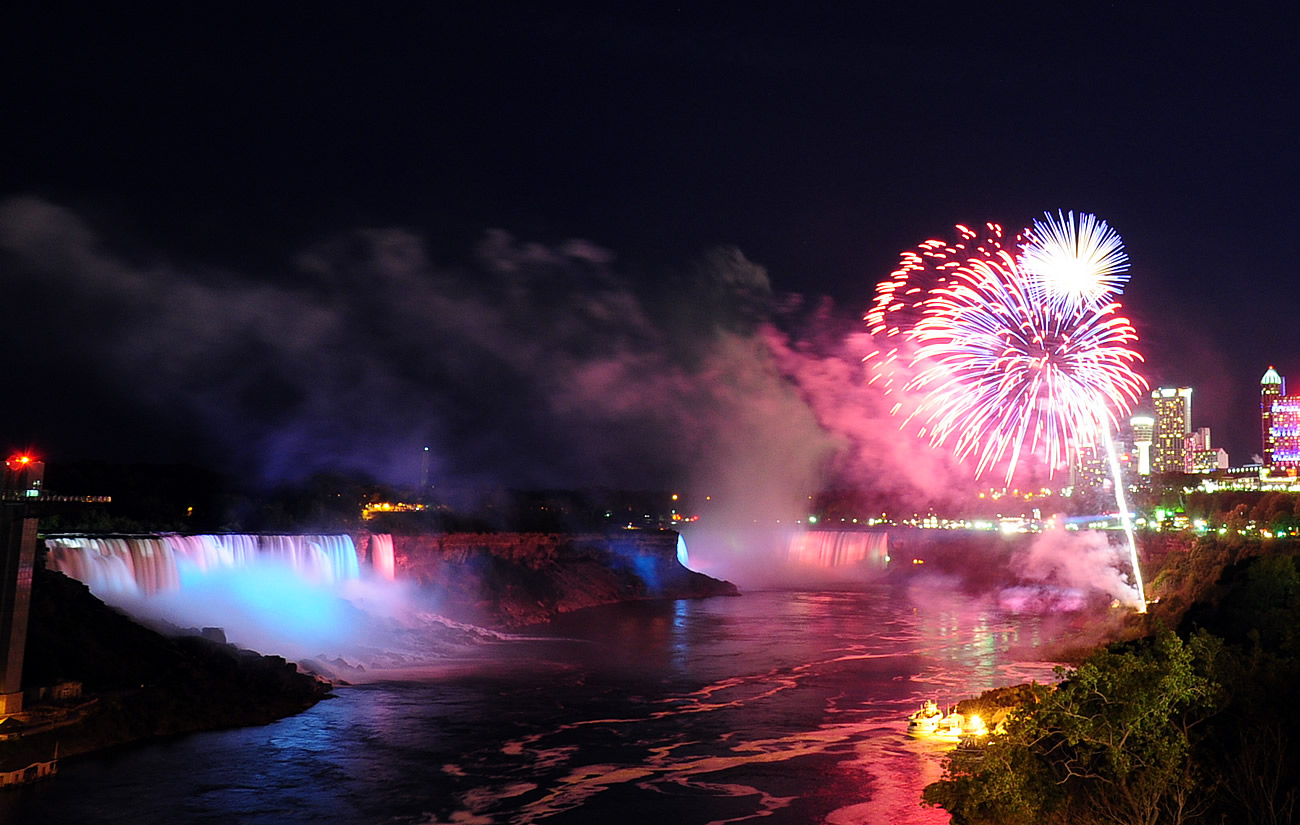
(534, 365)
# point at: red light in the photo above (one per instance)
(19, 461)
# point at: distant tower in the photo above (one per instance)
(1271, 387)
(1144, 427)
(23, 477)
(1173, 423)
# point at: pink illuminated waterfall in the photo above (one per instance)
(381, 549)
(839, 548)
(153, 564)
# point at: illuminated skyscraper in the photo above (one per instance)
(1143, 431)
(1271, 387)
(1173, 423)
(1092, 470)
(1284, 433)
(1200, 456)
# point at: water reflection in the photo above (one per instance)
(774, 707)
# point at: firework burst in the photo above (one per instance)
(900, 300)
(1002, 361)
(1074, 264)
(1001, 373)
(1011, 355)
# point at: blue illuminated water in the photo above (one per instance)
(778, 707)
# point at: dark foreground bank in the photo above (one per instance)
(1192, 723)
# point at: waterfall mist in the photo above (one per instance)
(305, 598)
(793, 556)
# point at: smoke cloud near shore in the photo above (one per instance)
(532, 366)
(1085, 561)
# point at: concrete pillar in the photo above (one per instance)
(17, 553)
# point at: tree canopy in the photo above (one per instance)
(1112, 743)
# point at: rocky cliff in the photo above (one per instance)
(515, 579)
(139, 684)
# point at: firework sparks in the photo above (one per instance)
(1005, 356)
(1001, 373)
(900, 301)
(1075, 264)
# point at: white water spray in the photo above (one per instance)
(307, 598)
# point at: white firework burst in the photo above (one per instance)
(1074, 264)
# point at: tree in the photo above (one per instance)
(1255, 743)
(1112, 743)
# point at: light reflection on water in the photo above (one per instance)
(780, 707)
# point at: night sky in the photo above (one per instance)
(590, 245)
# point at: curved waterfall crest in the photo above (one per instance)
(839, 548)
(152, 564)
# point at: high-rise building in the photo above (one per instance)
(1173, 422)
(1092, 470)
(1271, 387)
(1284, 433)
(1143, 431)
(1200, 456)
(1194, 442)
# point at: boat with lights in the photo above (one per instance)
(926, 719)
(956, 726)
(931, 722)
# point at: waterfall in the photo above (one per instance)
(839, 548)
(381, 556)
(153, 564)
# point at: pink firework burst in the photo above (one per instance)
(900, 300)
(995, 368)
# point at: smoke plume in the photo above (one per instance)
(1084, 561)
(532, 365)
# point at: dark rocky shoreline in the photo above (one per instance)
(511, 580)
(138, 684)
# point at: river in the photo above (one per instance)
(774, 707)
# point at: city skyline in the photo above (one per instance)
(295, 236)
